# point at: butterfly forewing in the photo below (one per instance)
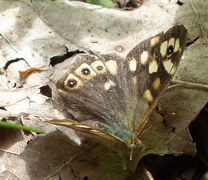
(119, 94)
(152, 65)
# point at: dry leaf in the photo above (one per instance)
(32, 31)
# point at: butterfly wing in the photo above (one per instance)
(93, 88)
(85, 129)
(152, 64)
(118, 94)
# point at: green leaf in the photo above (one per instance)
(24, 128)
(104, 3)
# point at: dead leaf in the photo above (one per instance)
(31, 31)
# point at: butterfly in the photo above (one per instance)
(113, 97)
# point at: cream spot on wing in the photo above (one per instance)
(156, 83)
(72, 82)
(133, 65)
(148, 95)
(134, 78)
(99, 67)
(85, 71)
(155, 40)
(144, 57)
(171, 42)
(177, 45)
(109, 84)
(153, 66)
(169, 66)
(163, 48)
(112, 66)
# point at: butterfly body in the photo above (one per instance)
(113, 97)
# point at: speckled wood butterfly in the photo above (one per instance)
(114, 97)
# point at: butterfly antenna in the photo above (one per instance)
(167, 115)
